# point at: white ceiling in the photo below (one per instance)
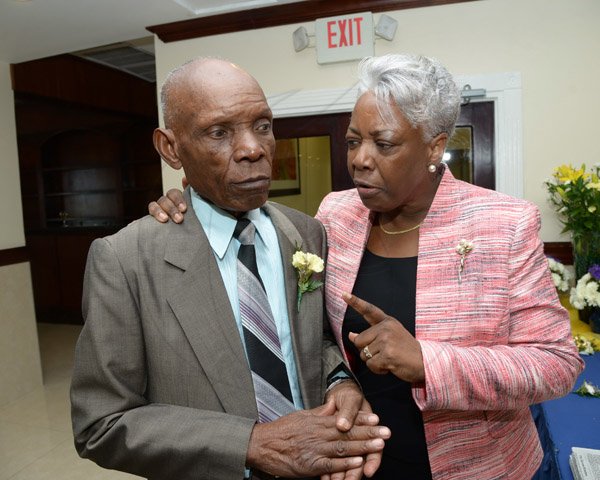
(31, 29)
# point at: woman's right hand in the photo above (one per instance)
(386, 346)
(169, 206)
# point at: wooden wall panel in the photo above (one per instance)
(73, 79)
(561, 251)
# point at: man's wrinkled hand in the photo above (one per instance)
(308, 443)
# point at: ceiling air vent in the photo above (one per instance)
(123, 57)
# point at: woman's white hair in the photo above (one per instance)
(421, 87)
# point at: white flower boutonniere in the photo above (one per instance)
(463, 249)
(306, 264)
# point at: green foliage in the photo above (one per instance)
(575, 194)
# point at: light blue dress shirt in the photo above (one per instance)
(218, 226)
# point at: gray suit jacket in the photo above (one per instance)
(161, 387)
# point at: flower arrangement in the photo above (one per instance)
(576, 195)
(306, 264)
(587, 293)
(560, 275)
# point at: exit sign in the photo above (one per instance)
(343, 38)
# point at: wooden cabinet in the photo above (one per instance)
(95, 179)
(88, 167)
(57, 265)
(79, 185)
(81, 180)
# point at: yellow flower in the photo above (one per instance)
(299, 260)
(566, 173)
(315, 263)
(306, 264)
(308, 261)
(576, 196)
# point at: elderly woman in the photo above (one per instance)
(453, 326)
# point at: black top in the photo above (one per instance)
(390, 284)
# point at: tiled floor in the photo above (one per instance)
(36, 442)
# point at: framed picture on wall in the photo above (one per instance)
(285, 177)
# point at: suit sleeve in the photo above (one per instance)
(113, 422)
(538, 360)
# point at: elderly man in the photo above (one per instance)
(194, 360)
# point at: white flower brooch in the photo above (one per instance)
(463, 248)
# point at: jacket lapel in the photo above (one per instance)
(201, 305)
(302, 324)
(345, 260)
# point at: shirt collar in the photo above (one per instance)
(219, 225)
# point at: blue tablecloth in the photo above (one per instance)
(570, 421)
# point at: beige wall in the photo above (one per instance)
(20, 370)
(554, 44)
(11, 216)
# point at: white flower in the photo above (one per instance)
(561, 276)
(585, 293)
(299, 259)
(315, 263)
(588, 390)
(464, 247)
(308, 261)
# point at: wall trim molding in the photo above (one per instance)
(10, 256)
(284, 14)
(504, 89)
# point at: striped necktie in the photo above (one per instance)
(269, 374)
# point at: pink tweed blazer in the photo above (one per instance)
(492, 345)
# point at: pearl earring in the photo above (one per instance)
(431, 168)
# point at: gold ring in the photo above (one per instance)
(368, 354)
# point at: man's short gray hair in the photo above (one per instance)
(421, 87)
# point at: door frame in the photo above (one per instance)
(504, 89)
(333, 125)
(479, 117)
